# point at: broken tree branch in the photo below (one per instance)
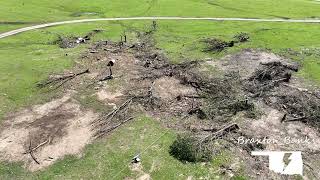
(220, 133)
(31, 153)
(296, 119)
(102, 120)
(39, 145)
(63, 79)
(105, 131)
(278, 63)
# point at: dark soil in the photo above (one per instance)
(50, 126)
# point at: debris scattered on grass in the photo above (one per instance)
(269, 82)
(72, 41)
(149, 81)
(217, 45)
(105, 123)
(136, 159)
(79, 14)
(57, 81)
(242, 37)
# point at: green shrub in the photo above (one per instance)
(242, 37)
(185, 148)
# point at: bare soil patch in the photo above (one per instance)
(51, 131)
(137, 167)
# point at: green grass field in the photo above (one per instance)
(54, 10)
(110, 158)
(30, 57)
(26, 12)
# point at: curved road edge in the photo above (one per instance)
(17, 31)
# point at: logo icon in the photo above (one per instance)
(283, 162)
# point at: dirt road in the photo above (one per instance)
(13, 32)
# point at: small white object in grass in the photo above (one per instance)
(111, 62)
(80, 40)
(136, 159)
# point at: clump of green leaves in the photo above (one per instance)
(186, 148)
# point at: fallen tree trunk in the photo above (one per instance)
(220, 133)
(62, 79)
(278, 63)
(105, 131)
(103, 119)
(295, 119)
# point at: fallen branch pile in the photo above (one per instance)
(271, 83)
(219, 133)
(107, 122)
(268, 76)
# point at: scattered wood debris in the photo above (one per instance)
(57, 81)
(108, 122)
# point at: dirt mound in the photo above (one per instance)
(50, 131)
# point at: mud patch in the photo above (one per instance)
(53, 130)
(270, 126)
